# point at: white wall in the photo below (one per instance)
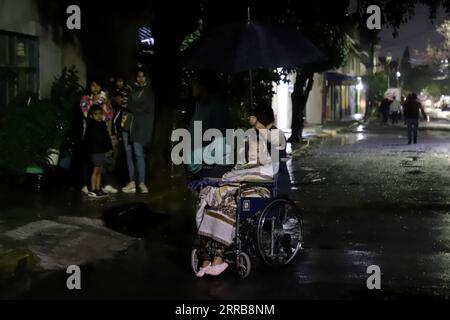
(282, 103)
(22, 17)
(315, 101)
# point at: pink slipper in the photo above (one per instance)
(217, 270)
(201, 273)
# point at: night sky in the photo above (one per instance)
(416, 34)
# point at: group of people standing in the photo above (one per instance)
(121, 116)
(411, 108)
(391, 109)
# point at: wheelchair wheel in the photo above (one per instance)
(244, 265)
(279, 233)
(195, 261)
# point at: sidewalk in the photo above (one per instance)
(311, 133)
(329, 128)
(433, 124)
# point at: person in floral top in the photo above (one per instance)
(97, 97)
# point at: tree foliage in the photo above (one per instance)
(32, 126)
(109, 31)
(376, 87)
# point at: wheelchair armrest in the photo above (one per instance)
(266, 184)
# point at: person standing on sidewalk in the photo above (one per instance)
(98, 143)
(384, 110)
(96, 96)
(395, 110)
(412, 109)
(140, 118)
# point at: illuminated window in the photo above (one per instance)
(146, 42)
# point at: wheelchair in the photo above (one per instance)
(269, 230)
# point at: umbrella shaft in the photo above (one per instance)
(251, 89)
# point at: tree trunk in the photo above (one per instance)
(302, 88)
(167, 80)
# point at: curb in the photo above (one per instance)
(422, 127)
(325, 133)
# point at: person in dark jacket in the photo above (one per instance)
(138, 131)
(98, 143)
(411, 112)
(211, 107)
(384, 110)
(119, 100)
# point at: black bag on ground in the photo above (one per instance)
(134, 219)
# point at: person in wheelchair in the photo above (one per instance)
(216, 209)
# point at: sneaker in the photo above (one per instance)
(85, 191)
(201, 273)
(109, 190)
(92, 194)
(143, 188)
(130, 188)
(217, 270)
(101, 194)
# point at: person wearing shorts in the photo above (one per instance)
(98, 144)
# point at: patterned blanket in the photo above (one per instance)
(216, 208)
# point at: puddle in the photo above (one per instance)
(134, 219)
(310, 178)
(415, 172)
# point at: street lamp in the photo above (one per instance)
(388, 61)
(359, 85)
(398, 74)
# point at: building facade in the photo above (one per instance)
(31, 54)
(343, 92)
(336, 95)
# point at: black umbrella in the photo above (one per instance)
(249, 45)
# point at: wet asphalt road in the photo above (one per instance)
(368, 199)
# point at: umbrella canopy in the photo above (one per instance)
(248, 45)
(392, 93)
